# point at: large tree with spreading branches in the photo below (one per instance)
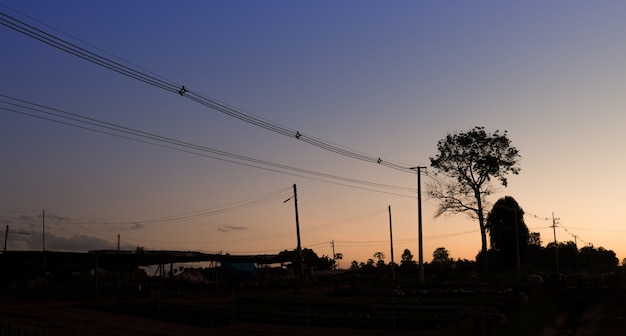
(469, 160)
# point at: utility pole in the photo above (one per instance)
(419, 221)
(577, 254)
(45, 271)
(43, 217)
(556, 247)
(393, 267)
(6, 237)
(295, 202)
(332, 244)
(118, 243)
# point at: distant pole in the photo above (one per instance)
(418, 169)
(118, 242)
(556, 247)
(6, 237)
(393, 273)
(295, 201)
(43, 248)
(332, 244)
(45, 271)
(393, 268)
(577, 254)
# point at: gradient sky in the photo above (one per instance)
(384, 78)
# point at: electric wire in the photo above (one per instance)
(230, 207)
(84, 42)
(302, 229)
(158, 81)
(82, 53)
(23, 104)
(119, 226)
(232, 160)
(279, 194)
(146, 77)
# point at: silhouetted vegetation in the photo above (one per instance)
(508, 234)
(455, 296)
(470, 160)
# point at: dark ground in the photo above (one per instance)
(554, 311)
(71, 318)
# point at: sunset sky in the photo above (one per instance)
(382, 79)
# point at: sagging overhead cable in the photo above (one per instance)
(137, 73)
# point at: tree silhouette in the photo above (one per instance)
(470, 160)
(407, 259)
(380, 256)
(597, 260)
(441, 256)
(507, 231)
(534, 238)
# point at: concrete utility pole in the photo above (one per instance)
(393, 266)
(295, 202)
(419, 221)
(577, 254)
(332, 244)
(556, 247)
(43, 252)
(43, 224)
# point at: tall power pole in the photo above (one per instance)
(6, 236)
(577, 254)
(419, 221)
(295, 201)
(332, 244)
(43, 235)
(43, 249)
(393, 266)
(556, 247)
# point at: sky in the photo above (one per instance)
(384, 79)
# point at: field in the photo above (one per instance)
(477, 307)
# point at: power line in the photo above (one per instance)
(61, 44)
(19, 105)
(140, 74)
(233, 206)
(112, 226)
(136, 73)
(276, 195)
(576, 237)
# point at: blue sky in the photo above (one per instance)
(387, 79)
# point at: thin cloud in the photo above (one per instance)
(75, 243)
(228, 228)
